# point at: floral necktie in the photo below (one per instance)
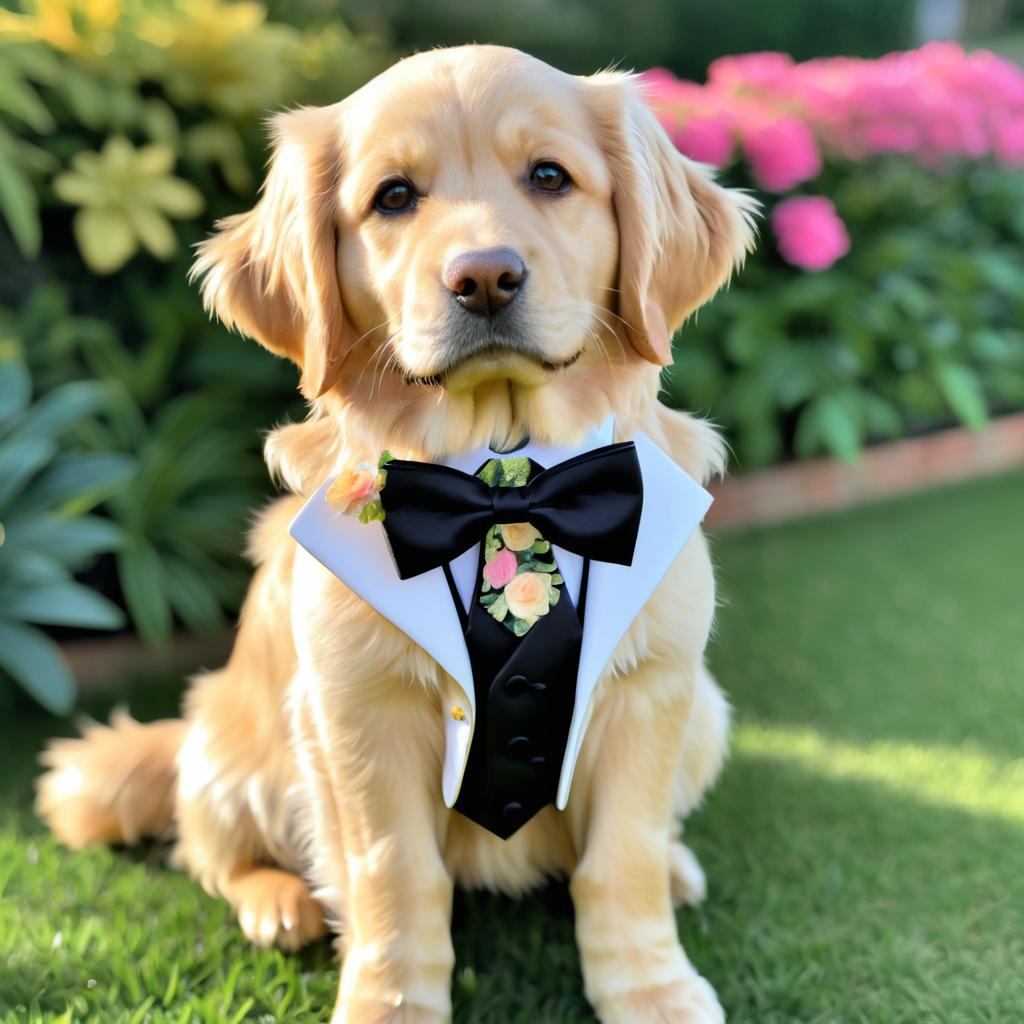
(520, 580)
(523, 636)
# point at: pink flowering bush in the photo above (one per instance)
(887, 291)
(782, 153)
(809, 232)
(933, 105)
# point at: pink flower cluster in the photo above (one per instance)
(934, 104)
(809, 231)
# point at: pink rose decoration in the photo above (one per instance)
(354, 486)
(809, 231)
(500, 569)
(782, 153)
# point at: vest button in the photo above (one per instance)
(538, 687)
(518, 747)
(515, 686)
(512, 810)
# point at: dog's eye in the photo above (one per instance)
(394, 197)
(547, 176)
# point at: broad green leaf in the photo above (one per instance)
(20, 100)
(83, 95)
(34, 661)
(36, 61)
(218, 142)
(159, 122)
(15, 383)
(28, 567)
(758, 442)
(960, 387)
(880, 418)
(191, 597)
(909, 294)
(811, 292)
(124, 106)
(996, 346)
(61, 409)
(60, 603)
(105, 238)
(20, 459)
(750, 335)
(79, 480)
(19, 206)
(830, 423)
(71, 542)
(143, 583)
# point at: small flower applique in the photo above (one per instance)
(520, 584)
(355, 491)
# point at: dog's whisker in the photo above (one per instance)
(382, 349)
(360, 340)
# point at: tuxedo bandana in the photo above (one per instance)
(522, 631)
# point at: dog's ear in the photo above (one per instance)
(680, 234)
(272, 272)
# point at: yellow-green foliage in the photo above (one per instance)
(125, 197)
(127, 127)
(105, 105)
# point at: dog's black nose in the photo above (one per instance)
(486, 280)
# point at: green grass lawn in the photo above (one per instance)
(865, 846)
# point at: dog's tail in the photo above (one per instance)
(114, 784)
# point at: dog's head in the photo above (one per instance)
(475, 246)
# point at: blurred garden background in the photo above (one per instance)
(885, 139)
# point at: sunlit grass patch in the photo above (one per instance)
(965, 778)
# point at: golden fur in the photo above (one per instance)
(308, 768)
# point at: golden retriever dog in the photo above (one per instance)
(303, 781)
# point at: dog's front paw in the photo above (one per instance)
(689, 1001)
(370, 1011)
(276, 908)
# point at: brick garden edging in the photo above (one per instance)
(800, 489)
(99, 663)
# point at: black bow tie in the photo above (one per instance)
(589, 504)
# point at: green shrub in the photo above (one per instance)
(920, 325)
(125, 131)
(46, 488)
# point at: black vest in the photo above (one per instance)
(525, 690)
